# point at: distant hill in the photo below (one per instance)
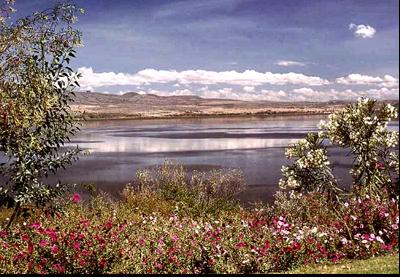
(135, 105)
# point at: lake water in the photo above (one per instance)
(255, 145)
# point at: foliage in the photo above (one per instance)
(311, 171)
(195, 194)
(362, 129)
(36, 87)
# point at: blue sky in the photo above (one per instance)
(293, 50)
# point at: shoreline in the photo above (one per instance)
(205, 116)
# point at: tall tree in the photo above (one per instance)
(36, 88)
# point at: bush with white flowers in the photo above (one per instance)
(362, 129)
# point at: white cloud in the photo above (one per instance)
(358, 79)
(289, 63)
(299, 94)
(362, 31)
(305, 91)
(91, 79)
(348, 94)
(249, 89)
(179, 92)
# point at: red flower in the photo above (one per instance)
(30, 248)
(43, 243)
(108, 224)
(55, 249)
(25, 237)
(59, 268)
(76, 198)
(102, 263)
(241, 245)
(77, 245)
(51, 233)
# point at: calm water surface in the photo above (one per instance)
(255, 145)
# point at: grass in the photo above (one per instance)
(376, 265)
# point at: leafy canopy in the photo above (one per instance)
(36, 87)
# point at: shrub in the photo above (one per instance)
(361, 128)
(195, 193)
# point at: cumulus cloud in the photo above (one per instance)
(249, 89)
(286, 63)
(358, 79)
(91, 79)
(302, 94)
(179, 92)
(295, 95)
(362, 31)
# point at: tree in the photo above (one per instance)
(36, 87)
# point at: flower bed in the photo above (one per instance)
(105, 237)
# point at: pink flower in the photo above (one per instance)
(84, 223)
(58, 267)
(240, 245)
(51, 233)
(36, 225)
(55, 249)
(77, 245)
(43, 243)
(25, 237)
(76, 198)
(102, 263)
(175, 237)
(379, 165)
(141, 241)
(108, 224)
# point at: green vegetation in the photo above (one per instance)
(36, 86)
(377, 265)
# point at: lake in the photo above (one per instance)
(118, 148)
(255, 145)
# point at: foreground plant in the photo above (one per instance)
(109, 237)
(36, 87)
(361, 128)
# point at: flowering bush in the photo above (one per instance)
(361, 128)
(311, 171)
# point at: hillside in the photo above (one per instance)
(134, 105)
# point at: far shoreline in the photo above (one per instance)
(203, 116)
